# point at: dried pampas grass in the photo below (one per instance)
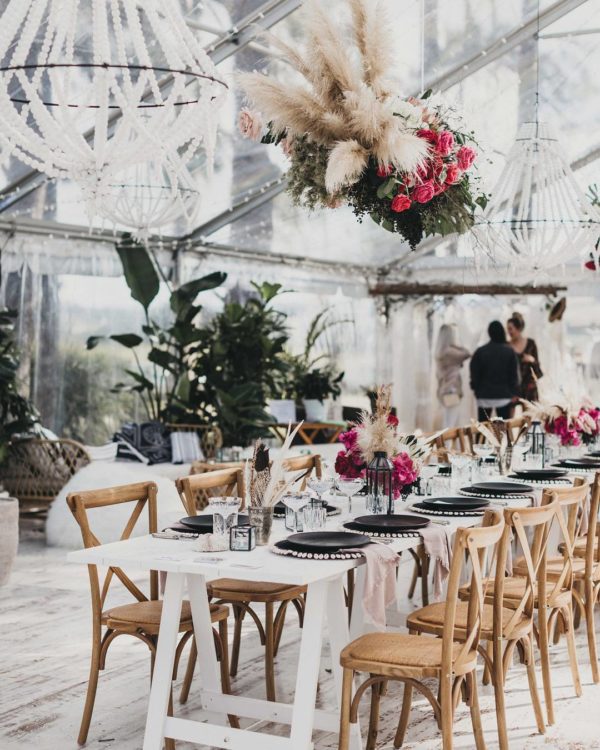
(345, 95)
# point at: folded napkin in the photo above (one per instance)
(438, 548)
(380, 582)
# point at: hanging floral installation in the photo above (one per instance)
(353, 140)
(379, 432)
(572, 424)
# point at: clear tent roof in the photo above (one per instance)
(459, 40)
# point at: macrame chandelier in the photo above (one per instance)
(91, 89)
(149, 196)
(538, 218)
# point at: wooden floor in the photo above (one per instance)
(44, 650)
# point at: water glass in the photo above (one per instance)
(314, 515)
(376, 504)
(225, 512)
(294, 502)
(441, 485)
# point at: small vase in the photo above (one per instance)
(262, 520)
(505, 460)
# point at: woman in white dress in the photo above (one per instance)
(449, 358)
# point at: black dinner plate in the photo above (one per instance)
(326, 541)
(203, 524)
(593, 454)
(580, 463)
(448, 510)
(384, 522)
(538, 474)
(498, 488)
(454, 503)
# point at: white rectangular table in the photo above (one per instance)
(324, 604)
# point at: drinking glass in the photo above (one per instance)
(349, 487)
(314, 515)
(482, 451)
(320, 485)
(461, 470)
(294, 502)
(428, 471)
(520, 449)
(225, 511)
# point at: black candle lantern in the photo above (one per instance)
(379, 479)
(537, 438)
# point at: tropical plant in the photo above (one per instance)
(17, 414)
(162, 381)
(240, 362)
(314, 376)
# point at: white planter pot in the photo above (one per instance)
(283, 409)
(9, 535)
(316, 411)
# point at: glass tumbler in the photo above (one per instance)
(225, 512)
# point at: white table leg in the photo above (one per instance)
(208, 673)
(308, 667)
(163, 665)
(339, 638)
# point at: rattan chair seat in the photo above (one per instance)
(146, 616)
(232, 589)
(431, 619)
(391, 653)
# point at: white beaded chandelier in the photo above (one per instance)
(90, 89)
(147, 197)
(538, 218)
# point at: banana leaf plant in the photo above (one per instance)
(160, 374)
(17, 414)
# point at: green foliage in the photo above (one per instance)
(306, 175)
(315, 376)
(239, 363)
(17, 414)
(162, 381)
(88, 410)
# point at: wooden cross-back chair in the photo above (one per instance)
(308, 464)
(203, 467)
(141, 617)
(586, 590)
(503, 629)
(454, 439)
(242, 594)
(411, 659)
(555, 577)
(226, 481)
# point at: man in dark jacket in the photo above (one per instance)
(495, 375)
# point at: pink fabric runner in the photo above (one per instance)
(380, 582)
(438, 548)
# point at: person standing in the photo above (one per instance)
(495, 375)
(526, 351)
(449, 358)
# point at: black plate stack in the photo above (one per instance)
(586, 463)
(498, 489)
(386, 525)
(323, 542)
(452, 505)
(539, 475)
(203, 524)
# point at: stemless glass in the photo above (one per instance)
(225, 512)
(427, 473)
(294, 502)
(314, 515)
(349, 487)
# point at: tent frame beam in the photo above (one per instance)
(409, 289)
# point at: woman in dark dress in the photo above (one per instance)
(526, 351)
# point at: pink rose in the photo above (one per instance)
(445, 143)
(424, 193)
(401, 203)
(384, 170)
(427, 135)
(250, 124)
(439, 187)
(465, 157)
(453, 174)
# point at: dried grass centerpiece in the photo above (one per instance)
(379, 432)
(266, 483)
(353, 139)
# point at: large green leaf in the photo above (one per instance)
(140, 273)
(184, 296)
(164, 359)
(129, 340)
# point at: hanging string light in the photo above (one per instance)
(90, 89)
(538, 217)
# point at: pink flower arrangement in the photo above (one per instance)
(565, 430)
(588, 422)
(351, 462)
(250, 124)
